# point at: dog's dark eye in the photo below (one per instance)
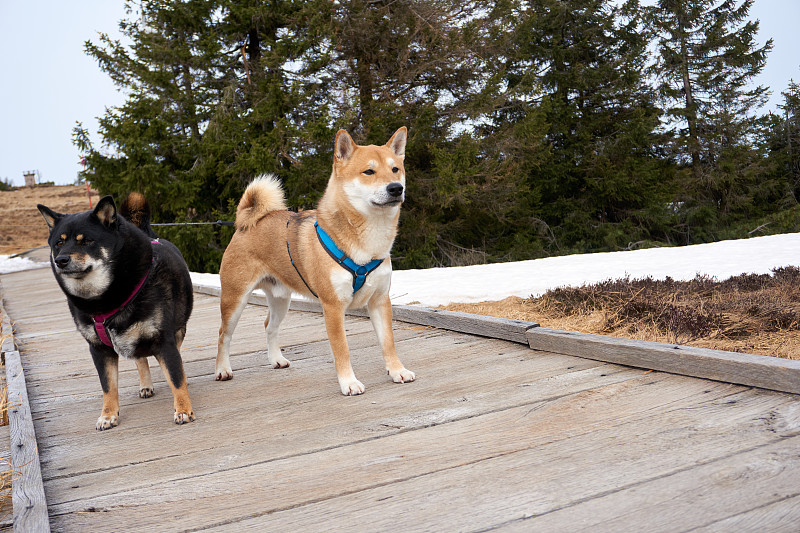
(395, 170)
(60, 243)
(369, 172)
(86, 242)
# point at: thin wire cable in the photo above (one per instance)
(217, 222)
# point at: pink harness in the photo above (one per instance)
(99, 320)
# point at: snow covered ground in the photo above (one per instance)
(441, 286)
(15, 264)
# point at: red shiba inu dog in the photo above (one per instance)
(338, 254)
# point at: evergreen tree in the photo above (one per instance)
(585, 120)
(214, 99)
(791, 133)
(421, 64)
(706, 59)
(780, 181)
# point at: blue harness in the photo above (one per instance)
(359, 272)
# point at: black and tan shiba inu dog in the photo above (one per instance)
(338, 254)
(129, 293)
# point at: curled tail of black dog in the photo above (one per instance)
(136, 210)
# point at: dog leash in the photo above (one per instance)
(99, 320)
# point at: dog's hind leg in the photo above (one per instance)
(179, 336)
(334, 325)
(278, 307)
(172, 365)
(380, 314)
(145, 381)
(232, 300)
(106, 361)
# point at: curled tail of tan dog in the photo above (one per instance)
(262, 196)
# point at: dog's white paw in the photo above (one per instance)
(351, 386)
(106, 422)
(184, 418)
(224, 374)
(403, 375)
(279, 362)
(146, 392)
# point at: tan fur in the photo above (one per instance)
(135, 205)
(180, 394)
(359, 213)
(145, 380)
(262, 196)
(109, 416)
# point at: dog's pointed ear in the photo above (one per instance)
(397, 143)
(50, 216)
(344, 146)
(106, 211)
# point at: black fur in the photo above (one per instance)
(103, 238)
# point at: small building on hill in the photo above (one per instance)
(30, 177)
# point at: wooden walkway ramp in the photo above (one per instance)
(492, 436)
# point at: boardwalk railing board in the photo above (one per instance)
(731, 367)
(6, 333)
(27, 490)
(484, 326)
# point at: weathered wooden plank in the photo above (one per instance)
(72, 413)
(709, 496)
(304, 434)
(731, 367)
(27, 490)
(482, 494)
(6, 331)
(782, 515)
(443, 474)
(485, 326)
(277, 450)
(308, 417)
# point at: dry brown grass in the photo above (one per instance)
(18, 209)
(753, 313)
(7, 472)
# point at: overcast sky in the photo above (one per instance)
(47, 83)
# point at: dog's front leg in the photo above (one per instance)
(106, 361)
(171, 364)
(380, 313)
(334, 325)
(145, 380)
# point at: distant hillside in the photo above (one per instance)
(18, 207)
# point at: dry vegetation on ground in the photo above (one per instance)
(19, 207)
(749, 313)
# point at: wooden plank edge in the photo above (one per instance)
(6, 331)
(752, 370)
(27, 489)
(485, 326)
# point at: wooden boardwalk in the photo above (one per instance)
(492, 436)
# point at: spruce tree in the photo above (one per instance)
(215, 96)
(585, 121)
(707, 56)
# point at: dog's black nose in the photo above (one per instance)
(62, 261)
(394, 189)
